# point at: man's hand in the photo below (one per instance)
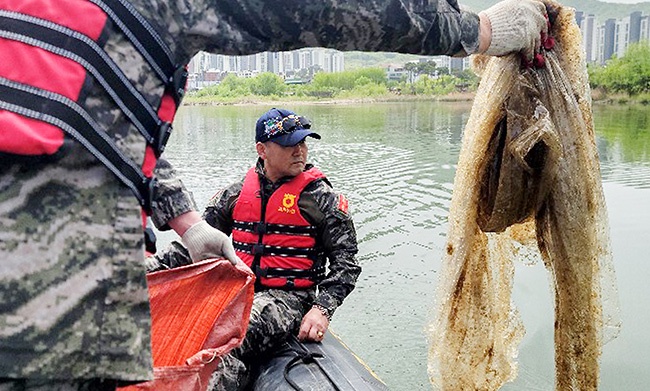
(203, 242)
(515, 26)
(314, 326)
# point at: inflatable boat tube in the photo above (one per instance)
(316, 366)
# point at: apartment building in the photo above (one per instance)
(612, 37)
(204, 66)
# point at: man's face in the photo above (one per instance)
(282, 161)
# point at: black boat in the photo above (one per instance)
(316, 366)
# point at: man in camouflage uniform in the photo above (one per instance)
(73, 295)
(282, 307)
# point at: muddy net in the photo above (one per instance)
(527, 188)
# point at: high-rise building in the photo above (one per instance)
(606, 38)
(644, 28)
(280, 63)
(589, 37)
(602, 41)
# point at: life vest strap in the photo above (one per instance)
(142, 35)
(276, 272)
(67, 115)
(68, 43)
(270, 228)
(263, 249)
(147, 41)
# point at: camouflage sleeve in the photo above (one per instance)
(174, 255)
(171, 198)
(339, 239)
(218, 213)
(424, 27)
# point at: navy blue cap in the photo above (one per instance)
(283, 127)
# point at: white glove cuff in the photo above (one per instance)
(196, 237)
(504, 29)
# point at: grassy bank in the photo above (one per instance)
(599, 97)
(265, 100)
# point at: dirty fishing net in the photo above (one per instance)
(527, 188)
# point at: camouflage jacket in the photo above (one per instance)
(73, 297)
(319, 204)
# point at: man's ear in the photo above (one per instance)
(261, 150)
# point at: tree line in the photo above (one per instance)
(424, 79)
(629, 75)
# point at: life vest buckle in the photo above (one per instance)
(257, 249)
(164, 132)
(146, 195)
(260, 228)
(177, 83)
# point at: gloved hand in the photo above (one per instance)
(153, 265)
(517, 26)
(203, 242)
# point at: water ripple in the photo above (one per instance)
(635, 175)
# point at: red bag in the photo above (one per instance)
(199, 313)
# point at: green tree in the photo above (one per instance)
(328, 84)
(629, 74)
(267, 84)
(232, 86)
(429, 68)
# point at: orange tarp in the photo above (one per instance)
(199, 313)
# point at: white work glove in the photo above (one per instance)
(203, 242)
(517, 26)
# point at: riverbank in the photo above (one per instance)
(598, 98)
(261, 100)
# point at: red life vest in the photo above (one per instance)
(49, 48)
(276, 241)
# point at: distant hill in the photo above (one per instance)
(356, 60)
(602, 11)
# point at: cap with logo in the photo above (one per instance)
(283, 127)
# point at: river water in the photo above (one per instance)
(396, 164)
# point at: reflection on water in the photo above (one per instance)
(624, 144)
(396, 164)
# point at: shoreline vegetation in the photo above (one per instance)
(621, 81)
(598, 98)
(265, 100)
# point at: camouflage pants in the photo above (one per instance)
(57, 385)
(275, 315)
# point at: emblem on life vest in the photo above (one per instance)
(288, 202)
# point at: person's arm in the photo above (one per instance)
(174, 207)
(218, 212)
(338, 237)
(239, 27)
(172, 202)
(180, 224)
(484, 33)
